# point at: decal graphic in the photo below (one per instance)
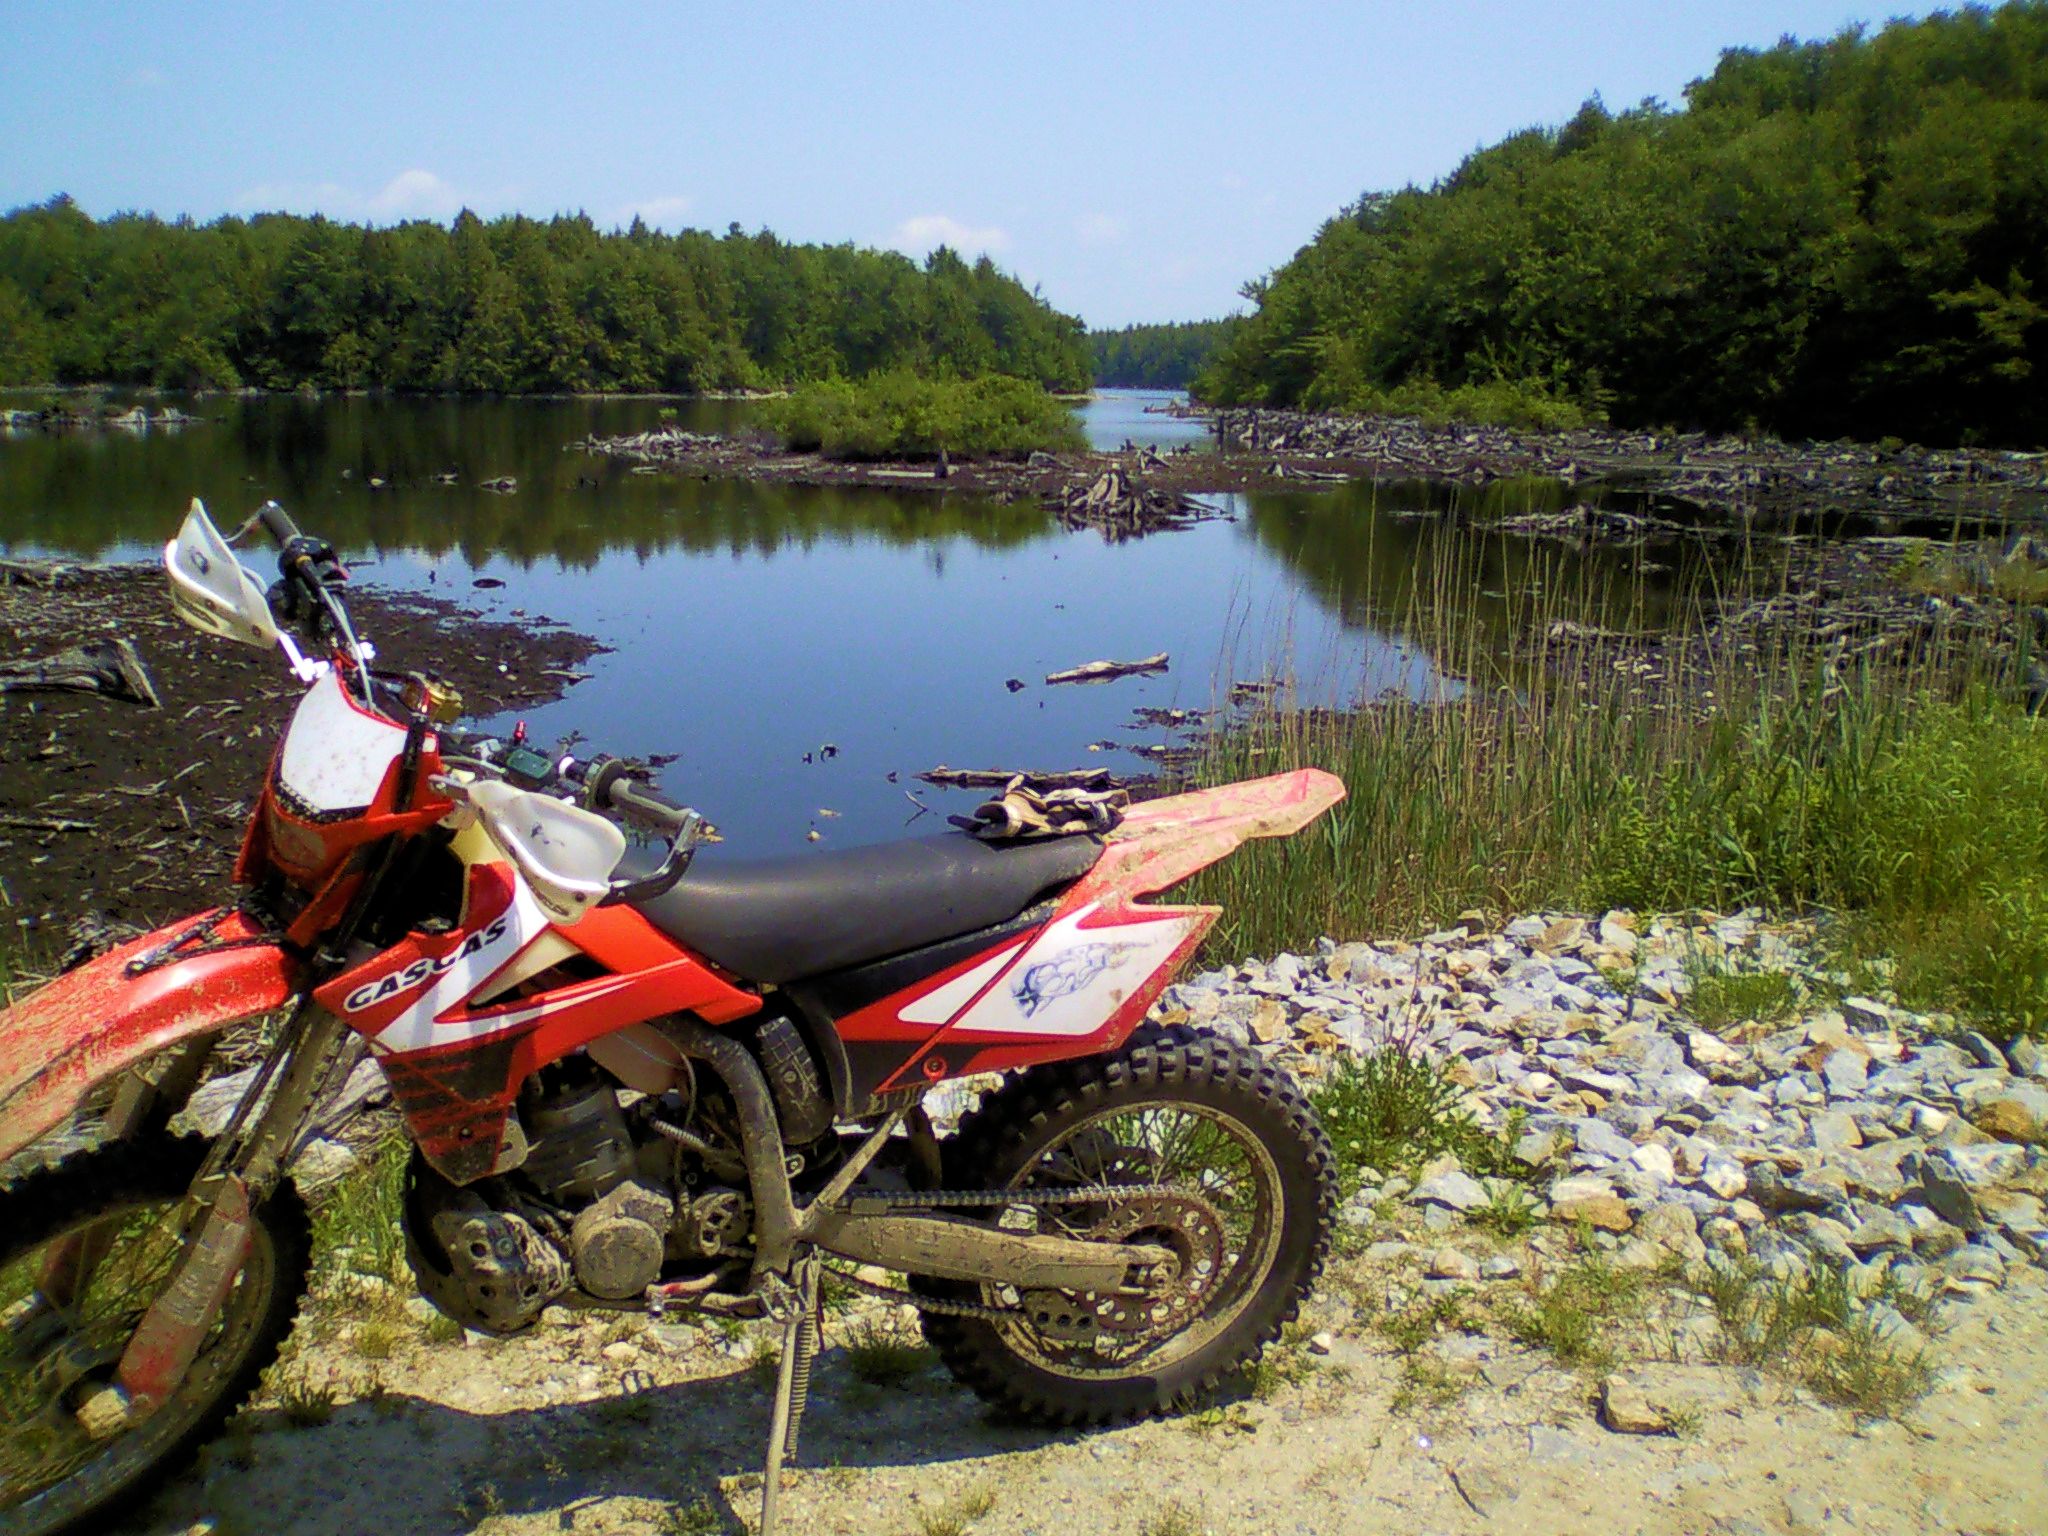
(372, 992)
(1065, 975)
(1071, 980)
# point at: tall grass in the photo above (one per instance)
(1894, 785)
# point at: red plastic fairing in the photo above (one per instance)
(96, 1021)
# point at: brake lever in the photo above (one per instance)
(689, 833)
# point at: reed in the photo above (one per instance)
(1893, 786)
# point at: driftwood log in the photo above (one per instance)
(107, 667)
(1109, 671)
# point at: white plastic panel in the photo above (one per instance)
(1072, 979)
(335, 752)
(941, 1003)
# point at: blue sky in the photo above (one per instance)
(1138, 162)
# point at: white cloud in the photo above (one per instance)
(413, 194)
(1100, 229)
(656, 212)
(921, 234)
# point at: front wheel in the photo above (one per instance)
(85, 1248)
(1244, 1194)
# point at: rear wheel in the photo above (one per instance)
(1245, 1194)
(119, 1206)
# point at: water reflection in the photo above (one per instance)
(754, 624)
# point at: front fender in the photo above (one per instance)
(91, 1023)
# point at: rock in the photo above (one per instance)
(1456, 1189)
(1866, 1013)
(1535, 1148)
(1500, 1267)
(2029, 1057)
(1973, 1267)
(2018, 1114)
(1606, 1213)
(1321, 1343)
(1778, 1195)
(1723, 1176)
(1944, 1191)
(321, 1162)
(1986, 1165)
(1845, 1072)
(1673, 1228)
(1625, 1410)
(1881, 1230)
(1450, 1264)
(1981, 1049)
(621, 1352)
(1834, 1131)
(1656, 1161)
(1597, 1140)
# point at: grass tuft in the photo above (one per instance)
(885, 1356)
(956, 1515)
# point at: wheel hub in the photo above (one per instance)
(1163, 1299)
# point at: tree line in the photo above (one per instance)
(515, 304)
(1157, 356)
(1833, 238)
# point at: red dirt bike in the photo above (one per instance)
(633, 1081)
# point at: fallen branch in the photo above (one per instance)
(1109, 671)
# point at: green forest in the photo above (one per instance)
(1836, 238)
(1157, 356)
(513, 305)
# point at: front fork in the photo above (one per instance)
(218, 1219)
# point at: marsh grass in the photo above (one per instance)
(1893, 785)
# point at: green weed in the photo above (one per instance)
(1177, 1519)
(1574, 1315)
(700, 1517)
(885, 1356)
(1721, 996)
(356, 1225)
(954, 1517)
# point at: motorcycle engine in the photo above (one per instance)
(609, 1198)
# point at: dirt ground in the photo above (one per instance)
(134, 814)
(628, 1427)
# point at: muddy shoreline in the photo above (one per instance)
(1745, 482)
(113, 813)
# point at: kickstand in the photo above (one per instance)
(801, 1336)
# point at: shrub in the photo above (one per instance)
(903, 416)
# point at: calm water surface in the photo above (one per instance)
(753, 625)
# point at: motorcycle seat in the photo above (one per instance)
(785, 919)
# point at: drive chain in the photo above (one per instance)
(922, 1199)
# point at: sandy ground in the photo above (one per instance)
(622, 1427)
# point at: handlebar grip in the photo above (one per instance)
(278, 523)
(632, 798)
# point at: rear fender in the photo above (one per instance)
(1081, 984)
(92, 1023)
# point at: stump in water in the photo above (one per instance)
(1121, 507)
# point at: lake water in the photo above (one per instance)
(753, 625)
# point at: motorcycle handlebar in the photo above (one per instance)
(278, 523)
